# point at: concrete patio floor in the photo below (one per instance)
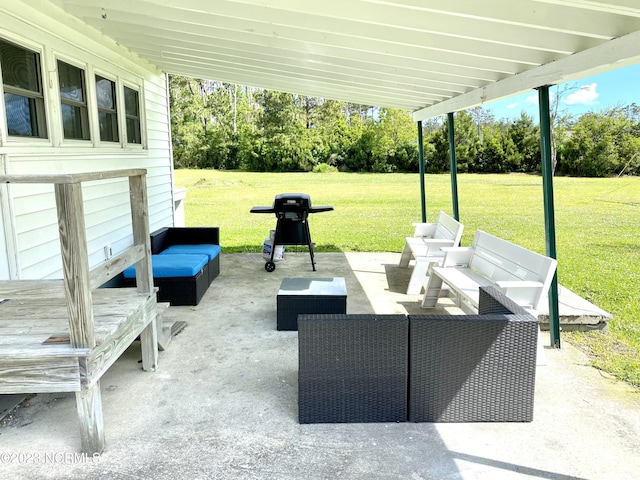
(223, 404)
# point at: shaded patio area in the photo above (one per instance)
(223, 402)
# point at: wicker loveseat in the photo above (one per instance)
(185, 261)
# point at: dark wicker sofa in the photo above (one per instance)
(419, 368)
(185, 261)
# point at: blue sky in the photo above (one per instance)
(599, 92)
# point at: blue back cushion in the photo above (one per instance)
(211, 251)
(178, 265)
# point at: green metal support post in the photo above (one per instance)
(421, 168)
(549, 215)
(454, 167)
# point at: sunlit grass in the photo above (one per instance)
(597, 222)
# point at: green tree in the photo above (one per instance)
(395, 146)
(601, 144)
(189, 121)
(246, 136)
(219, 125)
(467, 143)
(436, 150)
(285, 144)
(359, 154)
(204, 122)
(524, 136)
(333, 130)
(490, 154)
(482, 118)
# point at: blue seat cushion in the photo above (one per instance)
(178, 265)
(210, 250)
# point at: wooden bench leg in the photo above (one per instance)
(405, 257)
(149, 345)
(432, 290)
(89, 405)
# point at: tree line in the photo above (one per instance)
(225, 126)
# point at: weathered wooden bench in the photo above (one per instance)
(425, 247)
(63, 335)
(522, 275)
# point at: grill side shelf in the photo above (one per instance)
(323, 208)
(262, 210)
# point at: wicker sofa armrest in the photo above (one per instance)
(492, 300)
(158, 240)
(474, 368)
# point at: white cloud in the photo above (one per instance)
(532, 99)
(587, 95)
(512, 105)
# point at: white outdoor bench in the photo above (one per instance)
(524, 276)
(425, 246)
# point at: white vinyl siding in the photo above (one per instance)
(107, 215)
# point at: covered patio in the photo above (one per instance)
(429, 58)
(223, 403)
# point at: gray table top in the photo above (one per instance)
(313, 286)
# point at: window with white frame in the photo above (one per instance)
(73, 102)
(132, 112)
(23, 95)
(107, 109)
(116, 99)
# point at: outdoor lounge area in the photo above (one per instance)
(87, 90)
(223, 402)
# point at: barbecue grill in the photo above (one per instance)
(292, 227)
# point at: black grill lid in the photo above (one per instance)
(292, 202)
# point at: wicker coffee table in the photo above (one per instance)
(309, 295)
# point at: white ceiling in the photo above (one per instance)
(428, 57)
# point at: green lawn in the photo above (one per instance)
(597, 223)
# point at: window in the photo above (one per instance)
(132, 111)
(73, 102)
(23, 97)
(107, 110)
(23, 85)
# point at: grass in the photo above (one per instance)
(597, 224)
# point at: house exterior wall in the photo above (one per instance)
(30, 244)
(4, 257)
